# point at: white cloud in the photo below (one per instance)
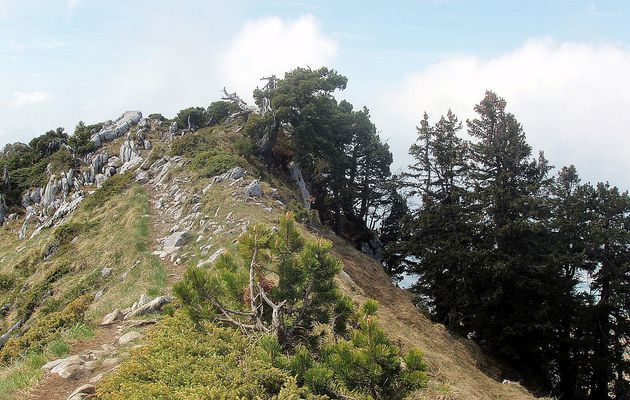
(274, 46)
(71, 4)
(572, 99)
(28, 98)
(189, 66)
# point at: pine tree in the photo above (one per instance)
(509, 189)
(441, 232)
(394, 234)
(611, 287)
(570, 226)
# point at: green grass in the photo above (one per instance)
(27, 369)
(114, 232)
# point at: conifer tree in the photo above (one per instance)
(509, 190)
(442, 229)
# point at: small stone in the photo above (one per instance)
(129, 337)
(105, 272)
(111, 362)
(98, 295)
(177, 239)
(83, 392)
(112, 317)
(254, 189)
(142, 177)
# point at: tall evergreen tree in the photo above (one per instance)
(570, 226)
(442, 228)
(611, 286)
(508, 192)
(394, 234)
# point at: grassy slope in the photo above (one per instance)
(119, 238)
(115, 235)
(457, 368)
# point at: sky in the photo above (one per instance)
(563, 66)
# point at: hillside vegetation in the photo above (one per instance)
(242, 253)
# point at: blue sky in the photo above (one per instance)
(561, 65)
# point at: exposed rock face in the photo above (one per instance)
(177, 239)
(64, 209)
(373, 248)
(152, 306)
(298, 179)
(117, 128)
(254, 189)
(234, 173)
(173, 129)
(142, 177)
(83, 392)
(129, 337)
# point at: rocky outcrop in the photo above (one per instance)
(254, 189)
(83, 392)
(113, 130)
(177, 239)
(154, 305)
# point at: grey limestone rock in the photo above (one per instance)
(83, 392)
(254, 189)
(177, 239)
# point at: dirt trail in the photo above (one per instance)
(51, 386)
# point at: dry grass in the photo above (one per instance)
(457, 368)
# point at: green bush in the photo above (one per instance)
(111, 187)
(197, 117)
(190, 144)
(180, 361)
(45, 330)
(213, 162)
(60, 161)
(218, 111)
(80, 140)
(7, 281)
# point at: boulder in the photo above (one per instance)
(72, 367)
(115, 162)
(129, 337)
(112, 130)
(177, 239)
(100, 178)
(254, 189)
(83, 392)
(112, 317)
(152, 306)
(111, 362)
(142, 177)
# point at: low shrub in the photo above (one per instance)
(45, 329)
(180, 361)
(190, 144)
(213, 162)
(111, 187)
(7, 281)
